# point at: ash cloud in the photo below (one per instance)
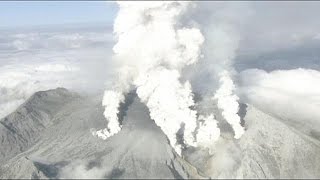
(155, 69)
(167, 51)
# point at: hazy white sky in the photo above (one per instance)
(273, 35)
(31, 13)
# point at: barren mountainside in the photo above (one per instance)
(49, 137)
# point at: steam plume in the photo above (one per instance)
(228, 102)
(151, 51)
(208, 131)
(153, 47)
(168, 101)
(222, 39)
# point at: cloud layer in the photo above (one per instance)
(36, 60)
(292, 95)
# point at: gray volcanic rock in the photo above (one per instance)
(49, 137)
(21, 129)
(268, 149)
(140, 150)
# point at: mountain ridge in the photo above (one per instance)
(66, 148)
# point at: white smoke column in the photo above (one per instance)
(168, 101)
(222, 40)
(228, 102)
(208, 131)
(225, 45)
(152, 49)
(111, 101)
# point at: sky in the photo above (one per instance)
(273, 36)
(35, 13)
(274, 48)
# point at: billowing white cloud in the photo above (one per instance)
(151, 51)
(155, 43)
(79, 170)
(293, 95)
(41, 60)
(19, 82)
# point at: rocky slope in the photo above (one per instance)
(66, 148)
(21, 129)
(49, 137)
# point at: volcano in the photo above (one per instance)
(49, 137)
